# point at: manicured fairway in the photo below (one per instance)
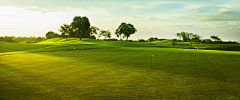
(117, 70)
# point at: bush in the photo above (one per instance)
(38, 40)
(141, 40)
(130, 40)
(8, 39)
(1, 38)
(112, 39)
(161, 39)
(31, 42)
(22, 39)
(179, 41)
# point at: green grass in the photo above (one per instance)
(116, 70)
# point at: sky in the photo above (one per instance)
(151, 18)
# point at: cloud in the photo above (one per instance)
(232, 15)
(225, 25)
(198, 11)
(135, 17)
(153, 19)
(123, 17)
(237, 23)
(221, 9)
(235, 26)
(219, 25)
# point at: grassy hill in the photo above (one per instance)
(117, 70)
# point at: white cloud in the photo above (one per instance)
(219, 25)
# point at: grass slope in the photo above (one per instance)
(117, 70)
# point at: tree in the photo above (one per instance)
(174, 41)
(51, 34)
(65, 29)
(189, 36)
(179, 35)
(216, 39)
(196, 38)
(150, 40)
(183, 36)
(155, 39)
(208, 41)
(38, 39)
(92, 31)
(105, 33)
(81, 24)
(125, 29)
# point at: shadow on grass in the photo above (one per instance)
(224, 48)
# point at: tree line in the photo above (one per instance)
(190, 37)
(14, 39)
(81, 27)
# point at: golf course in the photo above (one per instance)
(90, 69)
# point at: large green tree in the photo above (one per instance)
(81, 24)
(126, 29)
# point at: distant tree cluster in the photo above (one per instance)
(81, 27)
(151, 39)
(189, 37)
(217, 40)
(14, 39)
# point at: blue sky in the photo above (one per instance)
(152, 18)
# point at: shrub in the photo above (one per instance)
(141, 40)
(1, 38)
(8, 39)
(161, 39)
(38, 39)
(112, 39)
(130, 40)
(30, 42)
